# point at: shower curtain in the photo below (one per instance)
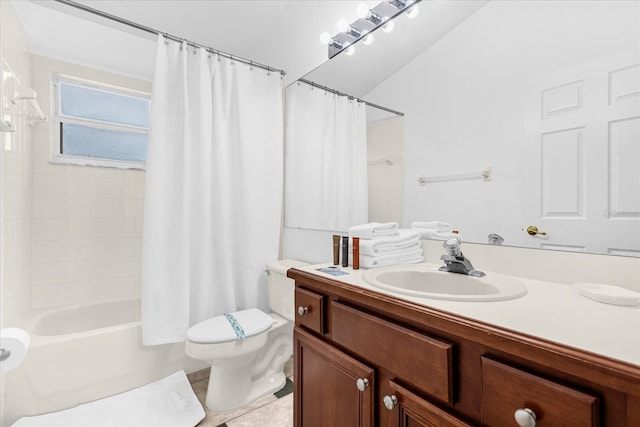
(213, 191)
(325, 160)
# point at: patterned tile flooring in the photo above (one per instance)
(275, 410)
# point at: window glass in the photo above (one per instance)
(82, 101)
(86, 141)
(99, 124)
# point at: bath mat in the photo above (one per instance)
(169, 402)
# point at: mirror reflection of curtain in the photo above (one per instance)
(213, 195)
(325, 160)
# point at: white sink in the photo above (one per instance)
(425, 281)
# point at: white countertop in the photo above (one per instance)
(552, 311)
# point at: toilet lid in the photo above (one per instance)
(220, 329)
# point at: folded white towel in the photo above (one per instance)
(373, 230)
(437, 225)
(397, 257)
(383, 245)
(373, 262)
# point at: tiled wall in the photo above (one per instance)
(86, 221)
(16, 173)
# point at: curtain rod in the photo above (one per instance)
(166, 35)
(370, 104)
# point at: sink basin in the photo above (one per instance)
(425, 281)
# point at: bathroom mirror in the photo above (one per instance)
(517, 114)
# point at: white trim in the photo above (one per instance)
(94, 161)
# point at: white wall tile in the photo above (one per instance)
(45, 229)
(43, 251)
(45, 274)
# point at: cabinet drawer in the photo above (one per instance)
(414, 411)
(506, 389)
(310, 310)
(413, 357)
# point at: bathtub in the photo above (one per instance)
(83, 353)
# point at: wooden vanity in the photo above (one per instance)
(365, 358)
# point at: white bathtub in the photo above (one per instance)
(84, 353)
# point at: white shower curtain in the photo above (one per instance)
(213, 191)
(326, 160)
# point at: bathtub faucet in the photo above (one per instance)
(455, 261)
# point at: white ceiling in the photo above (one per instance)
(281, 34)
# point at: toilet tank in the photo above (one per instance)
(280, 287)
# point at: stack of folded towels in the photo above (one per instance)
(383, 244)
(436, 230)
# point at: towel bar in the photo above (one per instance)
(486, 174)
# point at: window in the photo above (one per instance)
(101, 125)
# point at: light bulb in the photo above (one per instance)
(343, 25)
(350, 50)
(325, 38)
(413, 12)
(388, 27)
(368, 39)
(362, 11)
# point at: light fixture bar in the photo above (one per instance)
(374, 18)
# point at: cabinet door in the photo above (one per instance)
(331, 388)
(411, 410)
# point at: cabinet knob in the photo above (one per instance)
(525, 417)
(362, 383)
(390, 402)
(303, 310)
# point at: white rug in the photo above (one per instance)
(169, 402)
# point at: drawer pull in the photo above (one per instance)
(525, 417)
(390, 402)
(362, 383)
(303, 310)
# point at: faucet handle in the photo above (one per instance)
(452, 246)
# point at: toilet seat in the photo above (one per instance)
(219, 329)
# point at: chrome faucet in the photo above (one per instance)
(454, 260)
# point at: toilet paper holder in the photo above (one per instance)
(4, 354)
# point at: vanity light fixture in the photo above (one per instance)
(365, 13)
(399, 4)
(388, 27)
(348, 29)
(413, 10)
(369, 20)
(325, 38)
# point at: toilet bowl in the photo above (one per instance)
(247, 349)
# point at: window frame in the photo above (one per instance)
(59, 119)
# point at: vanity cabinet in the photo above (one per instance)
(410, 410)
(331, 388)
(363, 358)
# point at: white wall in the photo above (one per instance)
(15, 181)
(16, 174)
(464, 104)
(86, 221)
(385, 141)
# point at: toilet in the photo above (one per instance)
(247, 349)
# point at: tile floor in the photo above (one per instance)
(275, 410)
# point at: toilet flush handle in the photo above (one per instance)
(303, 310)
